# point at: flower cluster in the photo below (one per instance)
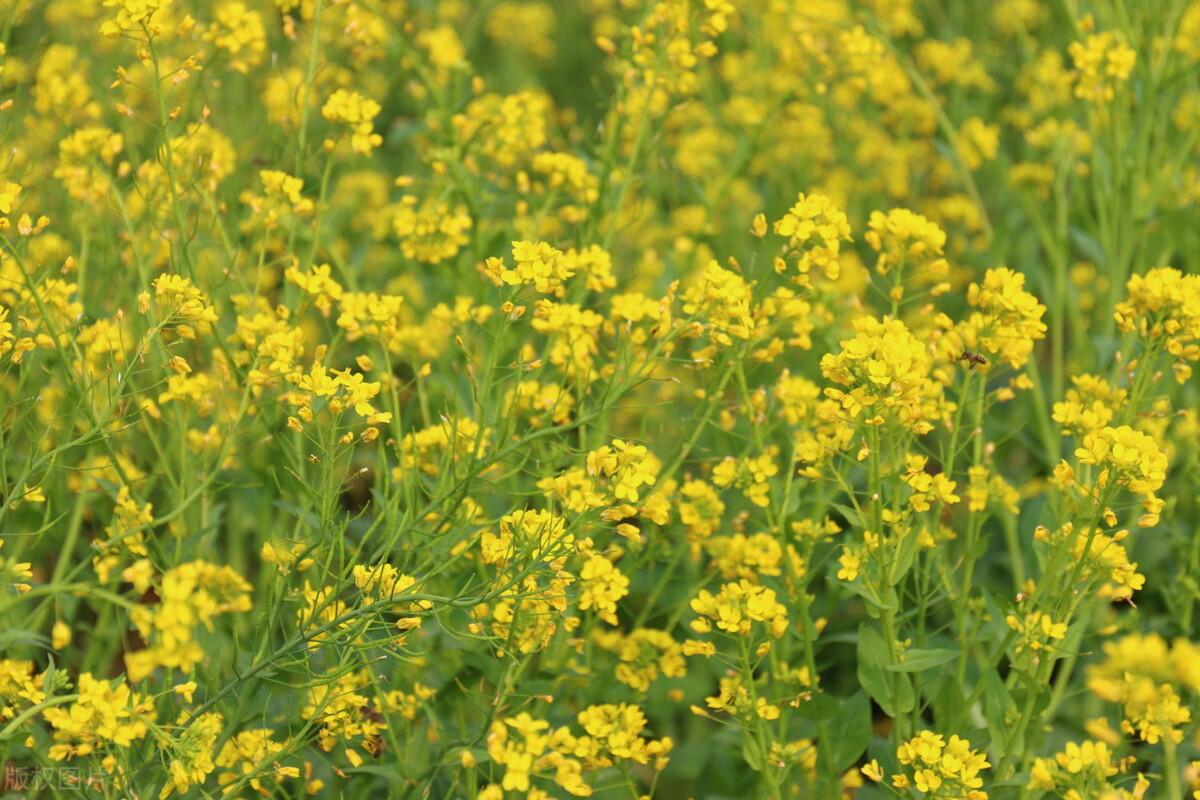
(905, 240)
(885, 374)
(936, 767)
(529, 749)
(356, 113)
(1102, 63)
(1083, 770)
(1125, 457)
(737, 607)
(1005, 321)
(105, 715)
(442, 399)
(192, 595)
(815, 229)
(1163, 308)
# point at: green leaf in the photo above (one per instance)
(850, 514)
(849, 732)
(751, 754)
(820, 708)
(872, 667)
(949, 708)
(18, 637)
(906, 699)
(910, 545)
(918, 660)
(893, 691)
(874, 602)
(997, 704)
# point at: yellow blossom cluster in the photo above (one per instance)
(1103, 61)
(737, 607)
(626, 398)
(355, 112)
(815, 229)
(105, 715)
(937, 767)
(1125, 457)
(905, 239)
(884, 374)
(1084, 770)
(192, 596)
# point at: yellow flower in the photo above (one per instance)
(951, 766)
(603, 585)
(238, 31)
(131, 15)
(8, 196)
(750, 474)
(191, 753)
(106, 715)
(20, 688)
(1163, 307)
(738, 606)
(815, 229)
(1102, 61)
(1153, 711)
(884, 371)
(1004, 322)
(245, 751)
(628, 467)
(191, 595)
(1127, 457)
(431, 232)
(180, 303)
(905, 240)
(720, 302)
(356, 113)
(850, 562)
(537, 264)
(60, 635)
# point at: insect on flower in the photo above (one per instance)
(973, 359)
(373, 741)
(373, 745)
(371, 715)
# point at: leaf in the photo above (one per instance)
(1088, 246)
(850, 514)
(849, 731)
(873, 674)
(820, 708)
(906, 699)
(909, 547)
(17, 637)
(918, 660)
(996, 705)
(949, 709)
(751, 754)
(873, 602)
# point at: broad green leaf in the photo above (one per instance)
(850, 514)
(751, 754)
(997, 703)
(849, 731)
(892, 690)
(918, 660)
(909, 547)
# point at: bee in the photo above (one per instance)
(973, 359)
(372, 743)
(371, 715)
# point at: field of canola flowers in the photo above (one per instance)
(613, 398)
